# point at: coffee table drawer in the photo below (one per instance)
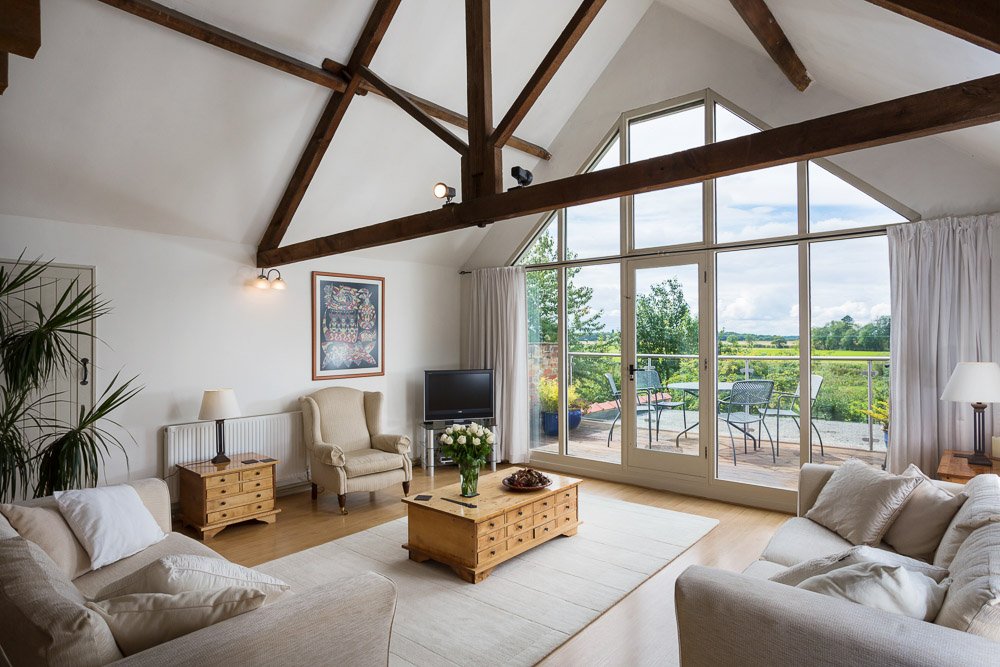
(257, 484)
(564, 507)
(491, 553)
(518, 540)
(256, 473)
(543, 504)
(520, 526)
(491, 539)
(515, 515)
(566, 495)
(565, 519)
(489, 526)
(545, 516)
(545, 529)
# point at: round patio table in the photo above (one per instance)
(694, 388)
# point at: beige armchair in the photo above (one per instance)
(347, 450)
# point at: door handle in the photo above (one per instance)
(631, 372)
(84, 362)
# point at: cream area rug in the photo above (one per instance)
(529, 605)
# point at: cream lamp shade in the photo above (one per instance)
(974, 382)
(218, 404)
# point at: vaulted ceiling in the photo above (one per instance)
(120, 122)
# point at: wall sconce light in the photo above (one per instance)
(264, 281)
(442, 191)
(522, 176)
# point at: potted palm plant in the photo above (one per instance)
(879, 412)
(39, 452)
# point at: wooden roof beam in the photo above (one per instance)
(532, 90)
(407, 105)
(976, 21)
(20, 27)
(3, 72)
(481, 170)
(944, 109)
(364, 50)
(760, 20)
(441, 113)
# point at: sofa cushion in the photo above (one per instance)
(796, 574)
(92, 583)
(973, 601)
(860, 502)
(179, 573)
(6, 530)
(891, 588)
(363, 462)
(144, 620)
(921, 523)
(46, 527)
(800, 539)
(44, 617)
(763, 569)
(982, 508)
(111, 522)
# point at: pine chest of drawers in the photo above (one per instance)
(473, 541)
(215, 496)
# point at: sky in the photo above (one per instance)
(757, 289)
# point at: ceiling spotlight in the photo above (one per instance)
(442, 191)
(521, 175)
(264, 281)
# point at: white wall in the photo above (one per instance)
(669, 55)
(184, 320)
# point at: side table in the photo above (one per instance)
(955, 469)
(215, 496)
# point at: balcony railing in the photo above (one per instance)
(836, 395)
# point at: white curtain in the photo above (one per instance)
(945, 278)
(495, 335)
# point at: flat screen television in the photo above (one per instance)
(458, 395)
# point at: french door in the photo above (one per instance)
(667, 368)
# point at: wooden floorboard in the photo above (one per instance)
(639, 630)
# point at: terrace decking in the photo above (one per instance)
(590, 441)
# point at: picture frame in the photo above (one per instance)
(348, 326)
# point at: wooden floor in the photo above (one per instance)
(639, 630)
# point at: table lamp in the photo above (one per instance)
(977, 383)
(219, 405)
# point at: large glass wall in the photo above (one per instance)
(760, 302)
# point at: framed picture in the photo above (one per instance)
(348, 326)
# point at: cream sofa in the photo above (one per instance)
(725, 618)
(344, 622)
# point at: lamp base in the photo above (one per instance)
(220, 459)
(976, 459)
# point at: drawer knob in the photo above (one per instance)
(222, 480)
(545, 530)
(493, 553)
(261, 506)
(224, 515)
(222, 491)
(492, 538)
(259, 495)
(222, 504)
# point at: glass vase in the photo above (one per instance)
(469, 473)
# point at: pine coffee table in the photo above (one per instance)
(474, 540)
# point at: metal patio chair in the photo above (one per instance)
(738, 410)
(648, 382)
(793, 410)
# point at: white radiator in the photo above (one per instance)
(278, 436)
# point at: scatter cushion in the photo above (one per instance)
(982, 508)
(181, 573)
(800, 539)
(921, 523)
(887, 587)
(111, 522)
(143, 620)
(43, 620)
(860, 502)
(46, 527)
(796, 574)
(973, 601)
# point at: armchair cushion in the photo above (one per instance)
(394, 444)
(361, 462)
(332, 455)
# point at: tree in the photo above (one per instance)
(664, 325)
(543, 300)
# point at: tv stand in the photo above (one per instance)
(432, 457)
